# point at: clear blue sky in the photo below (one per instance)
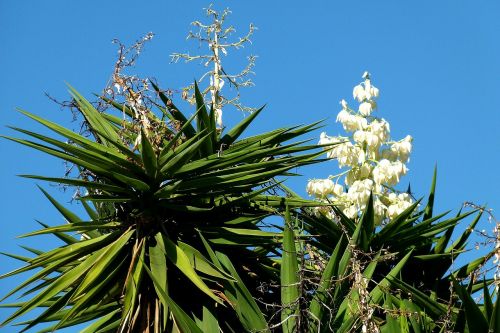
(437, 64)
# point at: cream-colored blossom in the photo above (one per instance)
(365, 109)
(389, 173)
(379, 209)
(336, 142)
(338, 190)
(399, 203)
(325, 140)
(359, 192)
(321, 187)
(365, 170)
(351, 122)
(351, 211)
(364, 137)
(365, 91)
(402, 149)
(347, 154)
(358, 173)
(359, 93)
(343, 115)
(380, 128)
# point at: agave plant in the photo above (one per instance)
(173, 228)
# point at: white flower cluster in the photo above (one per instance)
(323, 187)
(496, 261)
(375, 163)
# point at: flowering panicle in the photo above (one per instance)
(496, 260)
(375, 163)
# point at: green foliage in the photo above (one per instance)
(170, 207)
(407, 267)
(176, 238)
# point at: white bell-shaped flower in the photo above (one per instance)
(371, 140)
(338, 190)
(402, 149)
(347, 154)
(365, 109)
(325, 140)
(351, 211)
(399, 203)
(323, 187)
(359, 93)
(351, 122)
(381, 129)
(380, 210)
(359, 192)
(343, 116)
(383, 173)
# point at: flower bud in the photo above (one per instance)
(344, 104)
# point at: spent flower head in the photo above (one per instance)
(219, 39)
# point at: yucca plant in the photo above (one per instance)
(174, 241)
(371, 259)
(173, 227)
(395, 278)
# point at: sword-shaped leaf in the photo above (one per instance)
(430, 201)
(234, 133)
(203, 122)
(182, 319)
(495, 317)
(183, 156)
(174, 111)
(289, 279)
(201, 264)
(148, 156)
(95, 119)
(177, 256)
(475, 317)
